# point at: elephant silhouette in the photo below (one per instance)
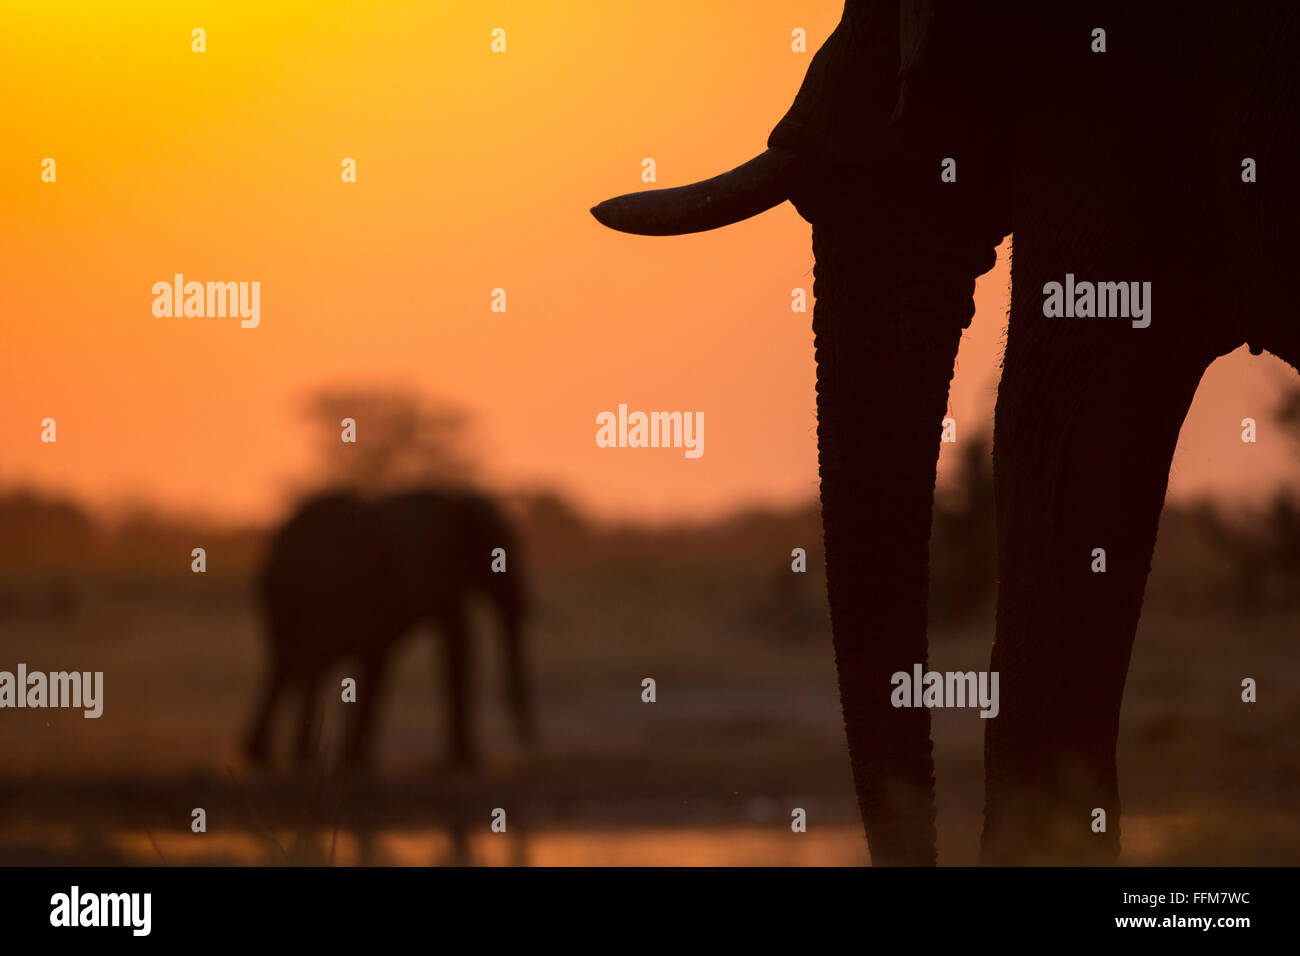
(1143, 149)
(347, 578)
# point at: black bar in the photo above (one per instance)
(329, 905)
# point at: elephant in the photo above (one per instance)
(1115, 142)
(347, 578)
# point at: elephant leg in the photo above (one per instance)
(372, 679)
(1086, 427)
(256, 740)
(456, 674)
(307, 737)
(517, 687)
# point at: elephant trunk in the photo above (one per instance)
(891, 307)
(897, 254)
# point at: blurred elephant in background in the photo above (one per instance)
(347, 578)
(1119, 142)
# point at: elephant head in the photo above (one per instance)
(897, 252)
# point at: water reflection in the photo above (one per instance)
(1153, 839)
(742, 846)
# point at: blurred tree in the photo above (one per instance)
(402, 440)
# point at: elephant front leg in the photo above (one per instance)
(1085, 432)
(372, 683)
(457, 675)
(888, 322)
(256, 743)
(306, 744)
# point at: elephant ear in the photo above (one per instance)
(954, 64)
(849, 92)
(916, 45)
(895, 88)
(916, 66)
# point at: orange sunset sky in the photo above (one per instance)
(475, 171)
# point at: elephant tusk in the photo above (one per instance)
(756, 186)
